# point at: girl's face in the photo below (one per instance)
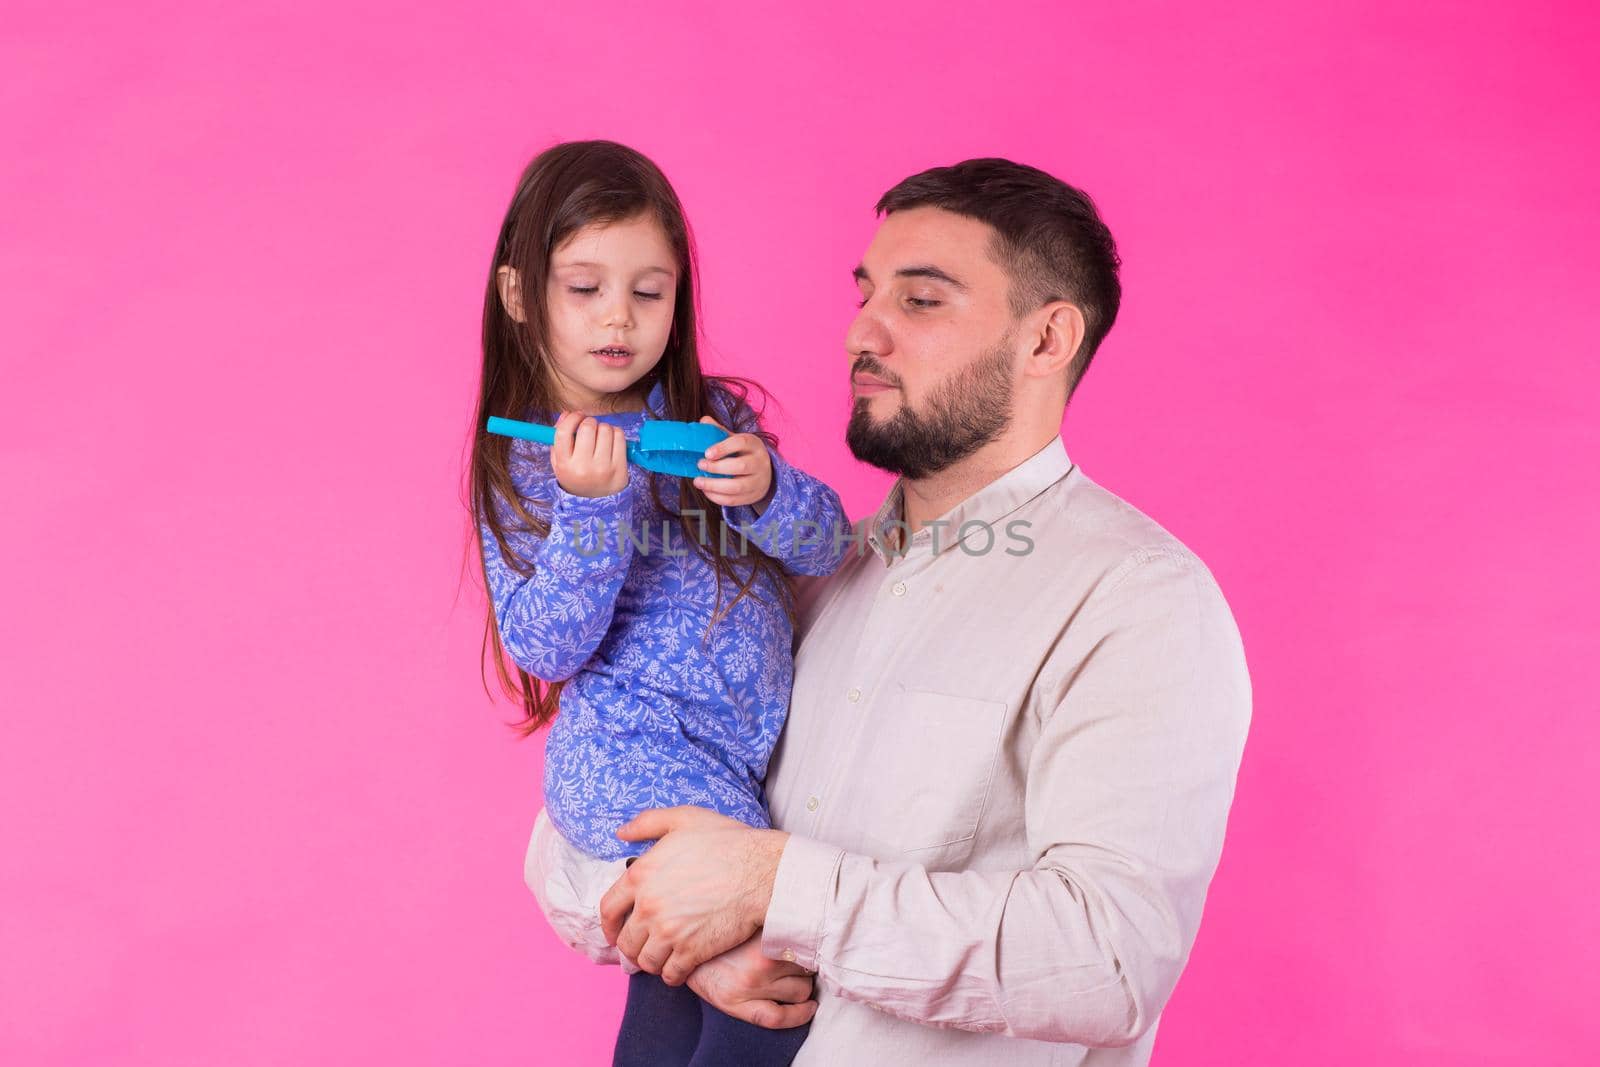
(610, 297)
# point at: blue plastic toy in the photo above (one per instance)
(664, 446)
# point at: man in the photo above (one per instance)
(1016, 721)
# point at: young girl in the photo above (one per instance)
(655, 613)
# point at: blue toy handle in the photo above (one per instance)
(665, 447)
(527, 431)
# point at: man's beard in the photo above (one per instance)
(962, 414)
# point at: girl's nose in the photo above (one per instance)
(617, 315)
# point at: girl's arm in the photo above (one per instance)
(552, 621)
(803, 526)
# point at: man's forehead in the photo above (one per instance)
(928, 237)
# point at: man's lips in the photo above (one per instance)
(866, 384)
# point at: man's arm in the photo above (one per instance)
(1129, 787)
(742, 982)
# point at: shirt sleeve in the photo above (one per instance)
(551, 622)
(1127, 797)
(804, 526)
(568, 885)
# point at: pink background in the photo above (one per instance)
(257, 806)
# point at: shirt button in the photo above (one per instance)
(811, 804)
(853, 696)
(898, 589)
(788, 955)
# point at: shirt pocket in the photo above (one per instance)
(929, 767)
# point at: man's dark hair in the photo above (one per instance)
(1048, 237)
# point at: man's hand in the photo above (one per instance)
(744, 457)
(749, 986)
(701, 889)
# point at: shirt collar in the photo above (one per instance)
(655, 407)
(986, 507)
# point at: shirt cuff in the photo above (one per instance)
(807, 873)
(592, 525)
(573, 506)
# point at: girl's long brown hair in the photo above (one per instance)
(564, 189)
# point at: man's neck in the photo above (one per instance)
(925, 499)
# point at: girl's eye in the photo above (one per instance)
(585, 290)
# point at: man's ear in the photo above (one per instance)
(510, 285)
(1057, 339)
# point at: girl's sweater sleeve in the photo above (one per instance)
(804, 526)
(551, 622)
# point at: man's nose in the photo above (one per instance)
(867, 335)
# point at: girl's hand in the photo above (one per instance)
(744, 456)
(590, 457)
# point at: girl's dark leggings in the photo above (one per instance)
(670, 1026)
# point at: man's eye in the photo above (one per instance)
(862, 302)
(921, 303)
(647, 296)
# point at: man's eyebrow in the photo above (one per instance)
(923, 271)
(601, 266)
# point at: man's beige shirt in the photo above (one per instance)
(1007, 769)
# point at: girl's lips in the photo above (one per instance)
(617, 358)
